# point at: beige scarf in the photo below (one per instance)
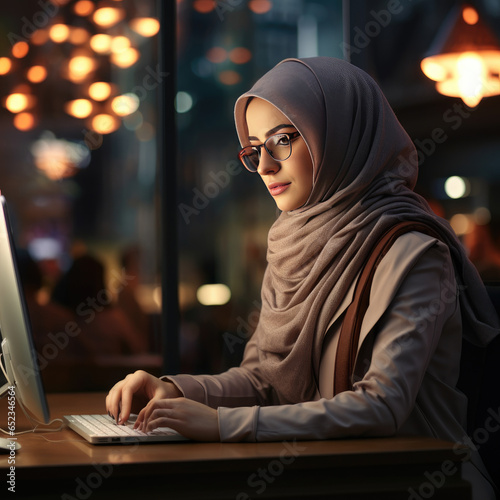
(364, 172)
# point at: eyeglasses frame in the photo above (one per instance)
(291, 136)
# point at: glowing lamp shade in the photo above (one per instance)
(467, 63)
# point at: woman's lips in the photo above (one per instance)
(278, 188)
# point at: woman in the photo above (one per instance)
(339, 165)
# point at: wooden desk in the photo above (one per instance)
(62, 465)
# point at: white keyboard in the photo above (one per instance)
(104, 425)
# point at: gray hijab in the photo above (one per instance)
(364, 172)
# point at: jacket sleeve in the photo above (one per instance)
(240, 386)
(382, 399)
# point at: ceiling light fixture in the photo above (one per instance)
(465, 58)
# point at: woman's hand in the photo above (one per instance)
(134, 392)
(191, 419)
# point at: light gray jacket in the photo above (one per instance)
(405, 374)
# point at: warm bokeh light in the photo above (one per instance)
(204, 6)
(39, 37)
(20, 50)
(456, 187)
(470, 76)
(470, 15)
(119, 44)
(213, 295)
(99, 91)
(432, 69)
(84, 7)
(17, 102)
(229, 77)
(482, 216)
(36, 74)
(466, 62)
(79, 108)
(260, 6)
(125, 104)
(78, 36)
(217, 55)
(125, 58)
(101, 43)
(104, 123)
(59, 33)
(240, 55)
(24, 121)
(5, 65)
(461, 224)
(471, 73)
(145, 26)
(108, 16)
(80, 67)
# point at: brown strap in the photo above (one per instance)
(347, 347)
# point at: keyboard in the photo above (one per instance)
(103, 429)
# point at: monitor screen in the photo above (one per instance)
(19, 356)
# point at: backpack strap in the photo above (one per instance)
(347, 347)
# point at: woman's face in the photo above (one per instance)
(289, 181)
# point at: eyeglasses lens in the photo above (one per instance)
(278, 146)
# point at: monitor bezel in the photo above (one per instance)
(18, 347)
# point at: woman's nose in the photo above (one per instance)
(267, 164)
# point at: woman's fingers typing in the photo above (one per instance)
(134, 392)
(191, 419)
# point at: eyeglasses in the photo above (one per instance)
(279, 148)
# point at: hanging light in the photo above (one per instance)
(465, 58)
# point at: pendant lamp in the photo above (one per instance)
(464, 59)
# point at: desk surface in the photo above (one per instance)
(62, 462)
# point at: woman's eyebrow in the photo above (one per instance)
(272, 131)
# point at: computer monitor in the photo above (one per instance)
(19, 356)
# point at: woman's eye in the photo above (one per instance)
(283, 141)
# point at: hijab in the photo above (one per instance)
(364, 172)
